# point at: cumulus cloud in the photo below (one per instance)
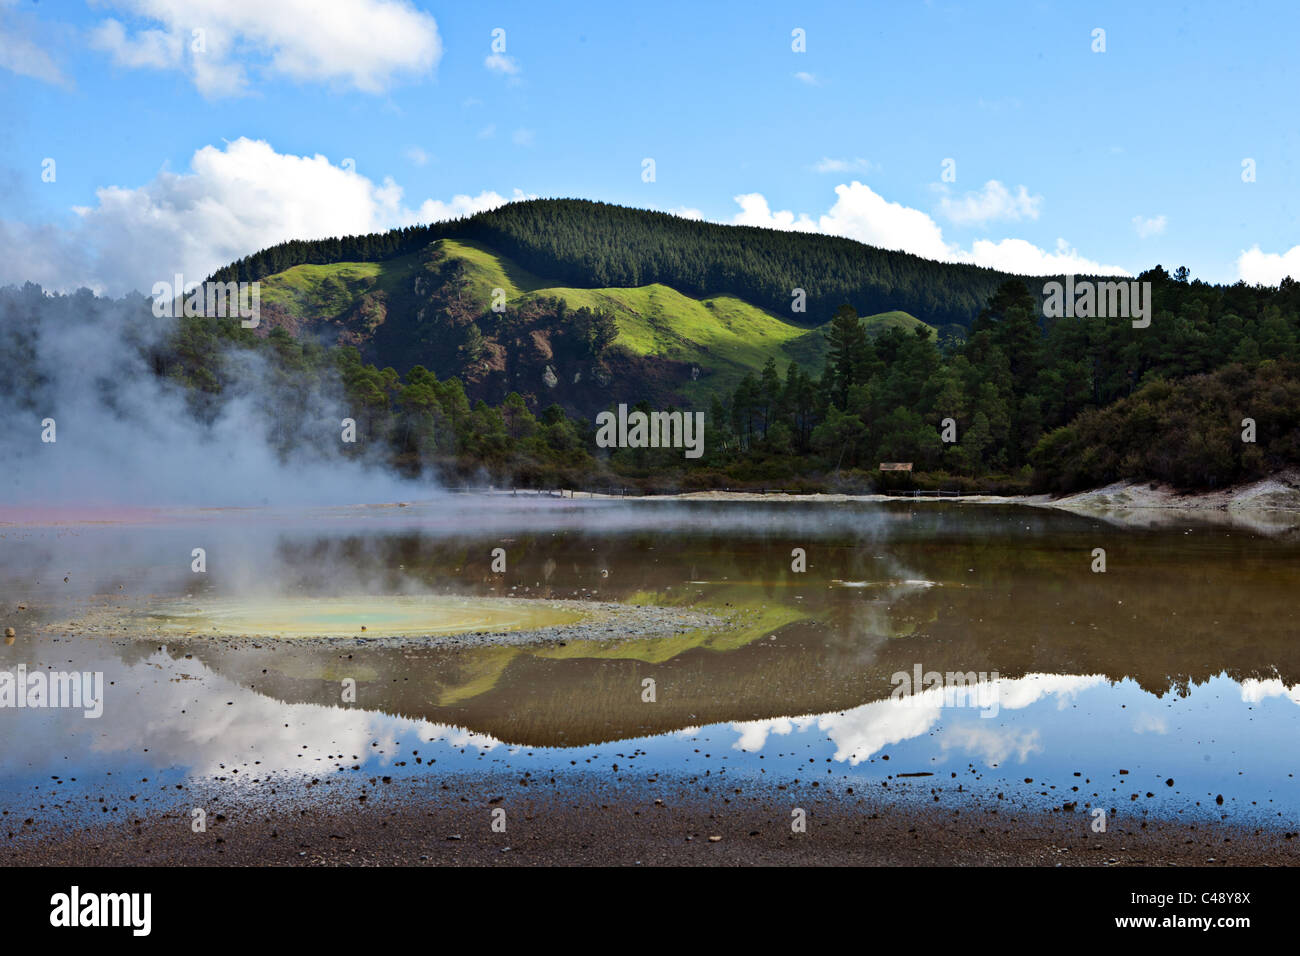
(860, 213)
(755, 211)
(1147, 227)
(1025, 258)
(462, 204)
(994, 202)
(1268, 268)
(365, 44)
(500, 63)
(808, 79)
(233, 202)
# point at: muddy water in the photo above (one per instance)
(1168, 681)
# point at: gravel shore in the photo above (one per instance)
(660, 822)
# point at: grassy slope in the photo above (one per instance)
(725, 336)
(330, 291)
(897, 319)
(487, 271)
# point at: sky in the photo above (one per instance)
(142, 138)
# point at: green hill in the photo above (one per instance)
(589, 245)
(680, 347)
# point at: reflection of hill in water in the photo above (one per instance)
(1015, 595)
(1165, 628)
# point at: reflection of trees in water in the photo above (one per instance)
(1014, 595)
(554, 696)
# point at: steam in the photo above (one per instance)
(128, 437)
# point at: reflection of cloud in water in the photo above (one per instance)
(866, 730)
(754, 733)
(1150, 724)
(1021, 692)
(202, 724)
(1255, 691)
(863, 731)
(994, 744)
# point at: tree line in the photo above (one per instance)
(1031, 402)
(588, 244)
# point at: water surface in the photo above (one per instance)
(1168, 681)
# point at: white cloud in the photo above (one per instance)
(687, 212)
(365, 44)
(808, 79)
(462, 204)
(488, 131)
(828, 165)
(1025, 258)
(25, 58)
(417, 155)
(20, 52)
(235, 201)
(754, 211)
(991, 204)
(148, 48)
(500, 63)
(522, 137)
(1268, 268)
(861, 213)
(1147, 227)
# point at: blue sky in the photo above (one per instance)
(168, 159)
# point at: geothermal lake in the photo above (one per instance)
(1167, 686)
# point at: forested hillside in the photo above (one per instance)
(461, 309)
(1017, 401)
(1033, 404)
(589, 245)
(1058, 404)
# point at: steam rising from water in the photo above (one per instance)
(127, 437)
